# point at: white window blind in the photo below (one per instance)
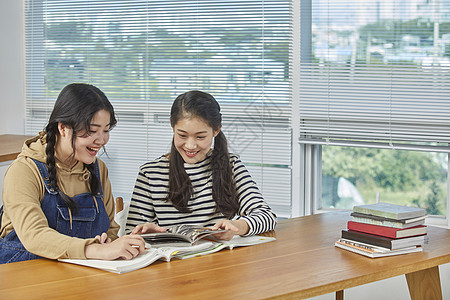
(142, 54)
(378, 75)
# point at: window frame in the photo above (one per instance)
(306, 165)
(310, 154)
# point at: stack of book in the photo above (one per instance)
(384, 229)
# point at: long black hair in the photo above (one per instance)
(203, 106)
(75, 107)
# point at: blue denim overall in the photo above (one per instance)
(89, 220)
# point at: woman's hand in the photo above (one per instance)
(103, 239)
(234, 227)
(148, 228)
(125, 247)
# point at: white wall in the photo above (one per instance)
(12, 121)
(12, 99)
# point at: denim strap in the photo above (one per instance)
(44, 174)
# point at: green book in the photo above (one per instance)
(388, 210)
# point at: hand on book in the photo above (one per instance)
(148, 228)
(103, 239)
(233, 227)
(125, 247)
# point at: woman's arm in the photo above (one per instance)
(125, 247)
(108, 200)
(22, 192)
(141, 206)
(252, 208)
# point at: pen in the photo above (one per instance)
(136, 246)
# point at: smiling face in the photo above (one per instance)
(87, 144)
(193, 138)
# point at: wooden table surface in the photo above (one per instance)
(11, 145)
(302, 263)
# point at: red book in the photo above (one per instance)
(390, 232)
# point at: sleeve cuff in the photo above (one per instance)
(77, 248)
(250, 226)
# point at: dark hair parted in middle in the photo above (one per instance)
(197, 104)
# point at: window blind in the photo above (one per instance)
(378, 75)
(142, 54)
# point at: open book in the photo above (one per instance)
(164, 253)
(217, 245)
(179, 235)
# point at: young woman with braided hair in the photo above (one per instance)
(57, 195)
(197, 185)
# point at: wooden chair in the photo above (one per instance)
(121, 214)
(119, 204)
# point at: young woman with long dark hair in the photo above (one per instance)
(57, 195)
(197, 185)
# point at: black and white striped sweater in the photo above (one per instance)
(148, 204)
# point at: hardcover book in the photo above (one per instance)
(387, 231)
(163, 253)
(371, 251)
(388, 210)
(376, 220)
(382, 241)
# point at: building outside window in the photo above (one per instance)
(374, 103)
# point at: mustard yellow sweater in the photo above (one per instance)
(23, 190)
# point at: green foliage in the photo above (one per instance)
(403, 177)
(432, 202)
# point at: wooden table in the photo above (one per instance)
(11, 145)
(302, 263)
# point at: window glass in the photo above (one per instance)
(377, 80)
(144, 53)
(354, 176)
(378, 72)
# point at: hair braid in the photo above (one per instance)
(93, 181)
(51, 130)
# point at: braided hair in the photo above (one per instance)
(203, 106)
(75, 107)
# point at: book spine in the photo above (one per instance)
(365, 247)
(373, 229)
(353, 249)
(366, 238)
(378, 222)
(368, 211)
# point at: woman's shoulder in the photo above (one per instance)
(22, 164)
(23, 169)
(234, 158)
(160, 162)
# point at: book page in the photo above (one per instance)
(179, 235)
(119, 265)
(240, 241)
(194, 233)
(168, 252)
(236, 241)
